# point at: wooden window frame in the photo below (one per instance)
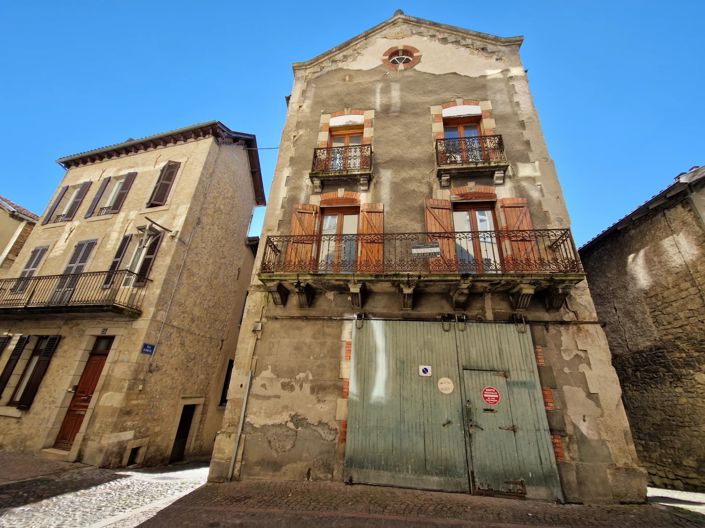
(340, 211)
(477, 248)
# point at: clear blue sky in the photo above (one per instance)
(618, 85)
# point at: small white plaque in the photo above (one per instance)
(445, 385)
(425, 370)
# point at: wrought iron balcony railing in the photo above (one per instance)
(342, 160)
(473, 252)
(101, 290)
(470, 150)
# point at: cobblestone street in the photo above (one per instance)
(73, 495)
(42, 493)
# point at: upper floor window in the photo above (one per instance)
(111, 195)
(30, 268)
(148, 242)
(162, 188)
(67, 203)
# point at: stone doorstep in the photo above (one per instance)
(51, 453)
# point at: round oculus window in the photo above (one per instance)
(401, 57)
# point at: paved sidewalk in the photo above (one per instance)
(293, 504)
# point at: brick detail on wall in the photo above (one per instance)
(540, 359)
(548, 400)
(557, 442)
(367, 127)
(335, 198)
(487, 124)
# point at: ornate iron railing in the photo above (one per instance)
(499, 252)
(470, 150)
(97, 289)
(342, 160)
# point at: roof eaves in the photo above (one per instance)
(682, 183)
(485, 37)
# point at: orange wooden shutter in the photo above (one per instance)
(521, 252)
(301, 253)
(371, 236)
(439, 219)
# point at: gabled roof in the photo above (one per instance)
(17, 210)
(210, 128)
(675, 191)
(398, 18)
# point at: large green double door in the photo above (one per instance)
(454, 407)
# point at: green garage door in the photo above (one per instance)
(474, 422)
(402, 430)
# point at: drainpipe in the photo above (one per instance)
(240, 426)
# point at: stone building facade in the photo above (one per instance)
(418, 315)
(647, 275)
(120, 318)
(16, 223)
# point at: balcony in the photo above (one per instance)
(336, 163)
(477, 261)
(479, 155)
(101, 291)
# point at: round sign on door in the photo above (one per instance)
(491, 396)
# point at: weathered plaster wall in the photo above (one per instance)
(287, 438)
(648, 282)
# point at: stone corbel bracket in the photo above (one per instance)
(279, 294)
(556, 296)
(407, 296)
(305, 294)
(521, 295)
(460, 294)
(358, 293)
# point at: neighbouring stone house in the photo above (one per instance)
(647, 276)
(16, 223)
(119, 320)
(418, 315)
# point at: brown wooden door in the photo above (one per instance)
(83, 393)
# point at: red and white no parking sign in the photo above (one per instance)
(491, 396)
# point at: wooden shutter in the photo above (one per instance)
(38, 373)
(97, 197)
(80, 256)
(164, 183)
(12, 362)
(439, 225)
(117, 260)
(122, 193)
(80, 195)
(301, 252)
(30, 269)
(148, 259)
(371, 236)
(52, 209)
(520, 251)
